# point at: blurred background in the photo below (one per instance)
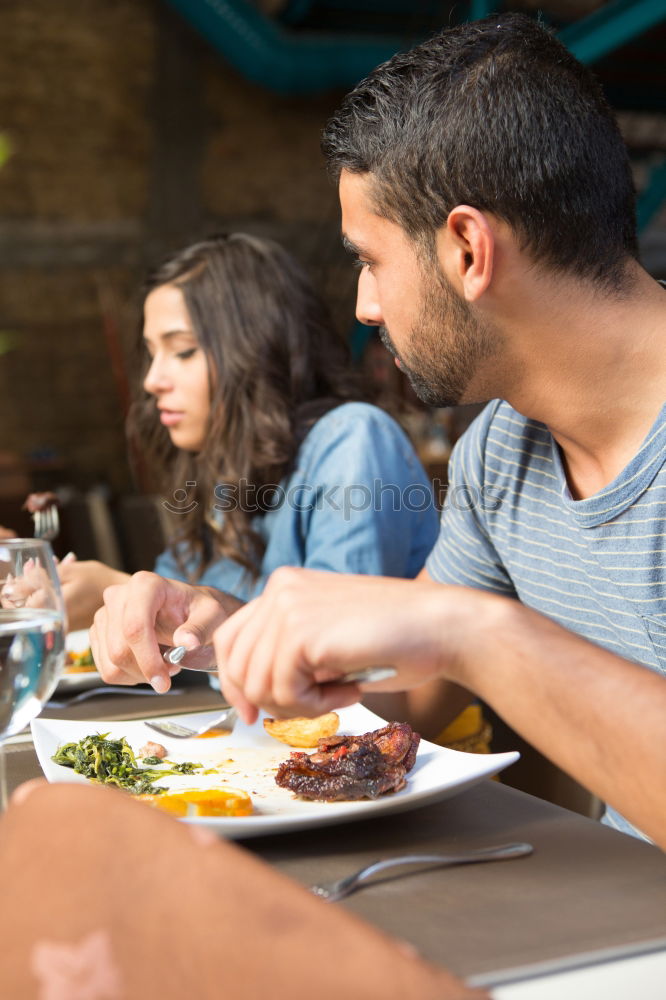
(129, 127)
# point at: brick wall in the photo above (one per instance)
(130, 137)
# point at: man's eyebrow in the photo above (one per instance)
(350, 247)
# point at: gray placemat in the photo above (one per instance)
(585, 890)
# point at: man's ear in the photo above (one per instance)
(465, 249)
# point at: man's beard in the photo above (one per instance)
(445, 347)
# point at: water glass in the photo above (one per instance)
(32, 635)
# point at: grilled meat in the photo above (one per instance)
(352, 767)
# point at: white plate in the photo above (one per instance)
(78, 642)
(250, 758)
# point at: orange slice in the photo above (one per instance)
(203, 802)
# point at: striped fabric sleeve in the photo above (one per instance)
(464, 553)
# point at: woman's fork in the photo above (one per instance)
(344, 886)
(47, 523)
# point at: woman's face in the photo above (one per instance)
(178, 373)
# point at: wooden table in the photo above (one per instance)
(587, 893)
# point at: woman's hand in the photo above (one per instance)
(31, 589)
(149, 610)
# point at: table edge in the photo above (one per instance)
(566, 963)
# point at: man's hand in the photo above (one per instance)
(148, 610)
(288, 651)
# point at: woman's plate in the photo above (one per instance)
(78, 680)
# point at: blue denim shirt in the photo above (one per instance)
(358, 501)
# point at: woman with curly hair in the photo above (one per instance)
(251, 419)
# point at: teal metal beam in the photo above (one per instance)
(281, 60)
(410, 8)
(611, 26)
(483, 8)
(295, 11)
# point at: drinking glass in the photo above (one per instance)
(32, 636)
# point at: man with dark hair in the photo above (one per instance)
(487, 196)
(499, 115)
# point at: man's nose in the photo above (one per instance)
(368, 310)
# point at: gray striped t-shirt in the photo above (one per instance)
(597, 566)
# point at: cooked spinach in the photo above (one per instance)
(112, 762)
(186, 767)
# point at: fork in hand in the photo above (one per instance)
(344, 886)
(47, 523)
(16, 591)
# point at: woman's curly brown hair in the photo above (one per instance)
(275, 366)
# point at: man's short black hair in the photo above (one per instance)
(498, 115)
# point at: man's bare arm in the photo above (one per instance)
(599, 717)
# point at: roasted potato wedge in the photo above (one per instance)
(303, 732)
